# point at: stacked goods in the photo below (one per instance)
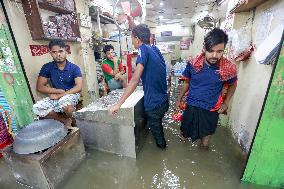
(59, 26)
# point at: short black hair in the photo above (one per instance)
(107, 48)
(142, 32)
(214, 37)
(58, 42)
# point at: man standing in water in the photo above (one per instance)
(151, 68)
(66, 84)
(207, 75)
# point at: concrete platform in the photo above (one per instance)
(46, 170)
(123, 134)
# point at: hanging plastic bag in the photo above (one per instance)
(240, 44)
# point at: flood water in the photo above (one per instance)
(181, 166)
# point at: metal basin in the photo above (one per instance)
(39, 136)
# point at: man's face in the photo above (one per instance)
(215, 53)
(135, 42)
(58, 53)
(110, 54)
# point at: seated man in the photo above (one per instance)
(113, 69)
(66, 84)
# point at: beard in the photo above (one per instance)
(59, 61)
(212, 61)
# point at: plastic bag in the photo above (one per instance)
(239, 42)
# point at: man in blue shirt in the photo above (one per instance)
(151, 69)
(208, 76)
(61, 80)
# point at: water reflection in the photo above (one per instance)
(167, 179)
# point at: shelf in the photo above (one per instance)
(104, 19)
(67, 40)
(247, 6)
(53, 8)
(32, 10)
(108, 40)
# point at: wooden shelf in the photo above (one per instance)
(247, 6)
(33, 16)
(107, 18)
(53, 8)
(104, 19)
(108, 40)
(67, 40)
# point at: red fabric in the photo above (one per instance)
(38, 50)
(177, 117)
(5, 138)
(182, 78)
(7, 143)
(122, 67)
(106, 68)
(246, 54)
(129, 66)
(221, 97)
(227, 69)
(218, 104)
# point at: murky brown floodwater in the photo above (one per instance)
(182, 166)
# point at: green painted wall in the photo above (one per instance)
(12, 80)
(266, 161)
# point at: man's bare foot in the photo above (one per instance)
(203, 147)
(204, 143)
(68, 123)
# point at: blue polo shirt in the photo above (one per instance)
(61, 79)
(205, 86)
(153, 77)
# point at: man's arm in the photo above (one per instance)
(115, 68)
(121, 68)
(184, 89)
(112, 72)
(78, 86)
(76, 89)
(129, 89)
(120, 73)
(230, 93)
(42, 87)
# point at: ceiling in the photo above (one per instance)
(183, 12)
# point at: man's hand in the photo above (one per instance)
(117, 76)
(112, 110)
(114, 60)
(178, 103)
(54, 96)
(60, 91)
(223, 108)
